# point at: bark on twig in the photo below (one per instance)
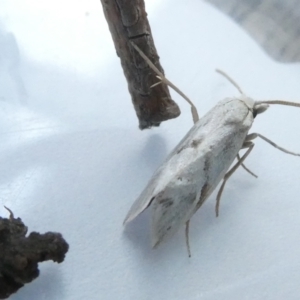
(127, 20)
(20, 255)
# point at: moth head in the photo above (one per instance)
(255, 107)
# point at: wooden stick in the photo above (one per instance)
(127, 21)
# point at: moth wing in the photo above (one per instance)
(191, 153)
(144, 200)
(176, 161)
(174, 206)
(159, 181)
(203, 159)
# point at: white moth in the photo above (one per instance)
(199, 162)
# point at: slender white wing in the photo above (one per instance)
(194, 168)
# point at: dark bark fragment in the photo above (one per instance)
(20, 255)
(127, 20)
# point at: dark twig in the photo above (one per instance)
(127, 20)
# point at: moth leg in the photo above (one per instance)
(163, 79)
(187, 227)
(245, 168)
(255, 135)
(230, 172)
(246, 145)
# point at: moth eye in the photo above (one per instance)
(260, 108)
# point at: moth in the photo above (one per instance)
(202, 159)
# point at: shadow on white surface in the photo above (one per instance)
(12, 85)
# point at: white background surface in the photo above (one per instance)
(73, 159)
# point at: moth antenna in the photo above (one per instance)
(163, 79)
(11, 214)
(280, 102)
(230, 80)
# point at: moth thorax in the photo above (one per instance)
(247, 100)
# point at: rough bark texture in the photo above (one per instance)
(274, 24)
(19, 255)
(127, 20)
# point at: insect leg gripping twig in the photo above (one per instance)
(162, 78)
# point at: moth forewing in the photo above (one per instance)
(194, 168)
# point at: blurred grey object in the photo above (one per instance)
(12, 85)
(274, 24)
